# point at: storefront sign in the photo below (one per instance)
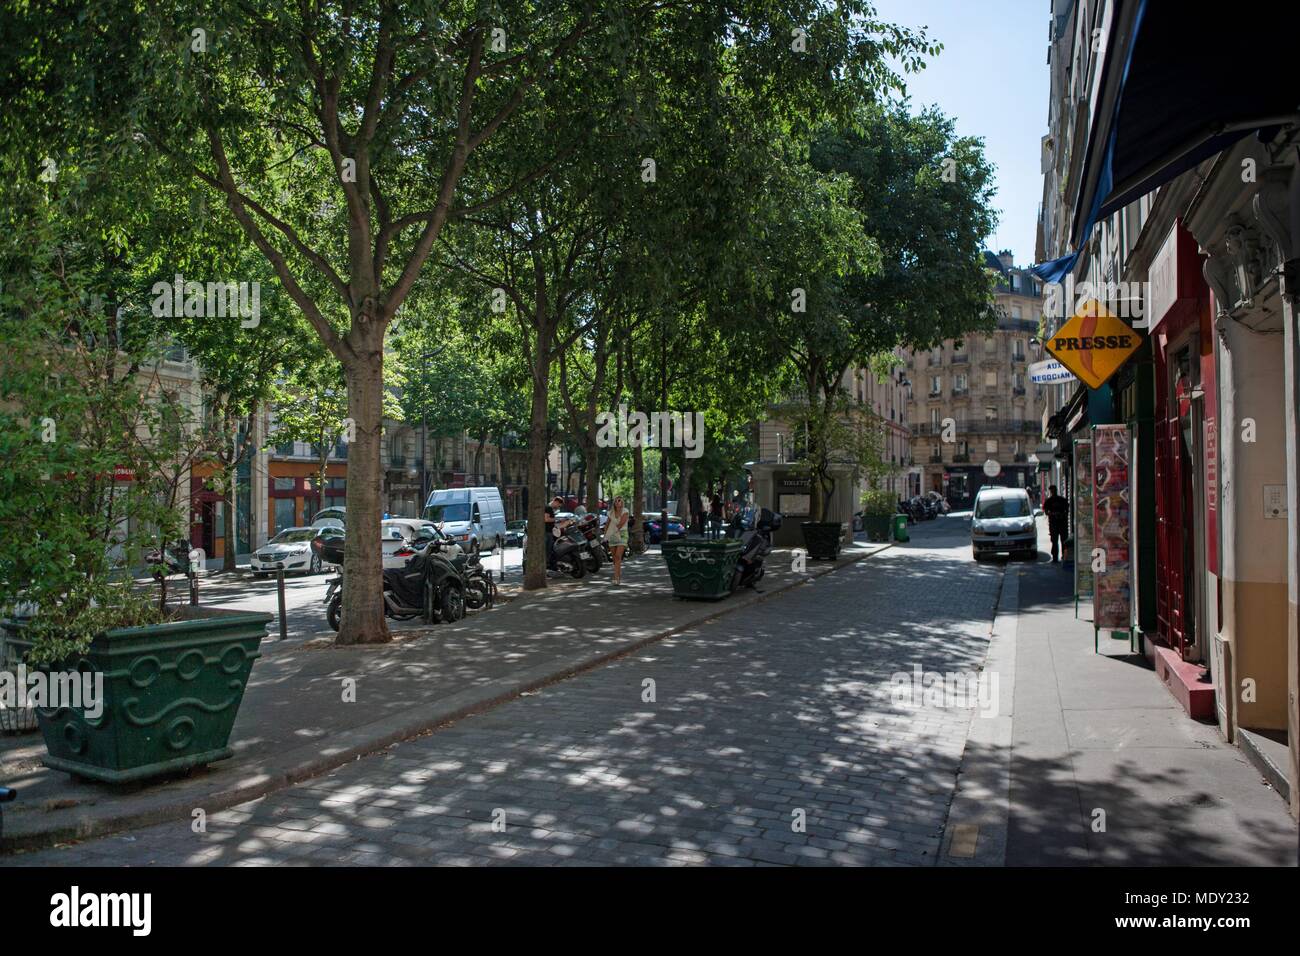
(1112, 597)
(1094, 344)
(1049, 372)
(1082, 518)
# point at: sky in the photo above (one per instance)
(991, 77)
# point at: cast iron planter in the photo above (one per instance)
(822, 539)
(701, 567)
(170, 695)
(878, 527)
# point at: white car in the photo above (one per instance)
(402, 536)
(291, 550)
(1002, 522)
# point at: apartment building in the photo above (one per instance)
(973, 412)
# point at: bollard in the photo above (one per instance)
(194, 588)
(6, 795)
(279, 587)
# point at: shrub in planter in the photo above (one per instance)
(878, 509)
(154, 698)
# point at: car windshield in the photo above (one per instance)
(449, 512)
(296, 534)
(1002, 506)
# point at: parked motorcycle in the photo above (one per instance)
(571, 548)
(756, 537)
(480, 585)
(175, 558)
(594, 555)
(429, 586)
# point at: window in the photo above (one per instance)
(990, 413)
(285, 484)
(1018, 350)
(936, 385)
(284, 513)
(959, 382)
(991, 446)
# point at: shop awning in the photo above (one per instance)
(1177, 86)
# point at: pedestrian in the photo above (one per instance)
(550, 530)
(616, 532)
(715, 514)
(1056, 508)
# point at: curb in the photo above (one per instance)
(294, 766)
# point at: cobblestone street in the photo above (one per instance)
(767, 736)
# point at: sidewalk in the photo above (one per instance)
(293, 723)
(1092, 762)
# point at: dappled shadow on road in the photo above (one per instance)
(772, 737)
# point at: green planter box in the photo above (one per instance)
(878, 527)
(702, 568)
(170, 695)
(822, 539)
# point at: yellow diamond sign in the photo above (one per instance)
(1093, 344)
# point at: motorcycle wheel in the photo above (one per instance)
(574, 568)
(431, 602)
(452, 603)
(592, 562)
(334, 609)
(476, 594)
(735, 580)
(758, 576)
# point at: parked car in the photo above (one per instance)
(475, 518)
(516, 534)
(653, 532)
(1002, 522)
(291, 550)
(328, 543)
(332, 517)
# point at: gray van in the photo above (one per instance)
(474, 518)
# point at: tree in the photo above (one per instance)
(339, 134)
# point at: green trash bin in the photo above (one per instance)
(900, 528)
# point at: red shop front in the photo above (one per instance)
(1186, 470)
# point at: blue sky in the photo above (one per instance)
(992, 78)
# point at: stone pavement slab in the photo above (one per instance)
(294, 725)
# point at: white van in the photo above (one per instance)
(1002, 522)
(474, 518)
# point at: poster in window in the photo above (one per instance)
(1112, 596)
(1082, 517)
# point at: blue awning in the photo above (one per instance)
(1178, 85)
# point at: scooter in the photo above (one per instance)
(570, 552)
(757, 544)
(429, 587)
(593, 557)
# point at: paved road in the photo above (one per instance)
(771, 737)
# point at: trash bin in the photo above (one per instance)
(900, 528)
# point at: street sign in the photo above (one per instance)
(1094, 344)
(992, 468)
(1049, 372)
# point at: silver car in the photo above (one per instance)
(291, 550)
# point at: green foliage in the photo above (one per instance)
(879, 503)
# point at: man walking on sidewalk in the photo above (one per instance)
(1056, 508)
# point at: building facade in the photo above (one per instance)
(1200, 255)
(973, 411)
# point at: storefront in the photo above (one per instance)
(293, 496)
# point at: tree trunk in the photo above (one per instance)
(535, 554)
(228, 480)
(636, 540)
(684, 493)
(362, 619)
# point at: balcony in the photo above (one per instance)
(962, 359)
(936, 394)
(1020, 457)
(936, 459)
(1018, 390)
(961, 459)
(397, 461)
(960, 392)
